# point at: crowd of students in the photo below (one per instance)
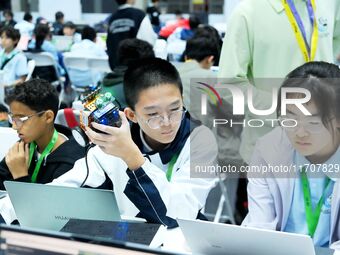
(147, 160)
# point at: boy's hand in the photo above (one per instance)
(17, 160)
(117, 142)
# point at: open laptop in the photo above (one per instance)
(62, 43)
(204, 237)
(51, 207)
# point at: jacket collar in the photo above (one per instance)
(277, 5)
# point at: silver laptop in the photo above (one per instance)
(51, 207)
(205, 237)
(62, 42)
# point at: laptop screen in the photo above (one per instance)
(14, 240)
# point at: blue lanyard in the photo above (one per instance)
(299, 20)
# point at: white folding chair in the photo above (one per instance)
(44, 59)
(8, 137)
(99, 64)
(76, 62)
(31, 66)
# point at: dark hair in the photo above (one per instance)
(198, 48)
(322, 81)
(121, 2)
(88, 33)
(3, 108)
(178, 12)
(11, 33)
(41, 31)
(8, 12)
(194, 22)
(59, 15)
(70, 24)
(28, 16)
(210, 32)
(37, 94)
(130, 50)
(148, 73)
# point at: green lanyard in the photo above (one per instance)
(171, 167)
(312, 216)
(46, 151)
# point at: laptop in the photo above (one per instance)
(51, 207)
(62, 43)
(26, 241)
(204, 237)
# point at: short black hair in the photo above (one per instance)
(11, 33)
(88, 33)
(28, 16)
(59, 15)
(70, 24)
(194, 22)
(129, 50)
(147, 73)
(198, 48)
(322, 80)
(121, 2)
(37, 94)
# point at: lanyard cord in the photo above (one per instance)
(299, 30)
(312, 216)
(46, 151)
(172, 162)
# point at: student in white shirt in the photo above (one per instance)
(306, 148)
(13, 63)
(26, 26)
(86, 48)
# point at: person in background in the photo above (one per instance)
(3, 116)
(171, 26)
(12, 62)
(154, 14)
(41, 42)
(9, 21)
(26, 26)
(86, 48)
(127, 22)
(69, 29)
(58, 24)
(200, 54)
(129, 51)
(249, 54)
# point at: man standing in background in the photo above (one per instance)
(127, 22)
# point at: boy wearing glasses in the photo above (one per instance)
(44, 151)
(149, 161)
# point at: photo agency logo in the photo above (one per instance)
(243, 102)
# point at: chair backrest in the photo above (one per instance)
(8, 137)
(76, 62)
(31, 66)
(160, 49)
(68, 117)
(45, 66)
(42, 58)
(99, 64)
